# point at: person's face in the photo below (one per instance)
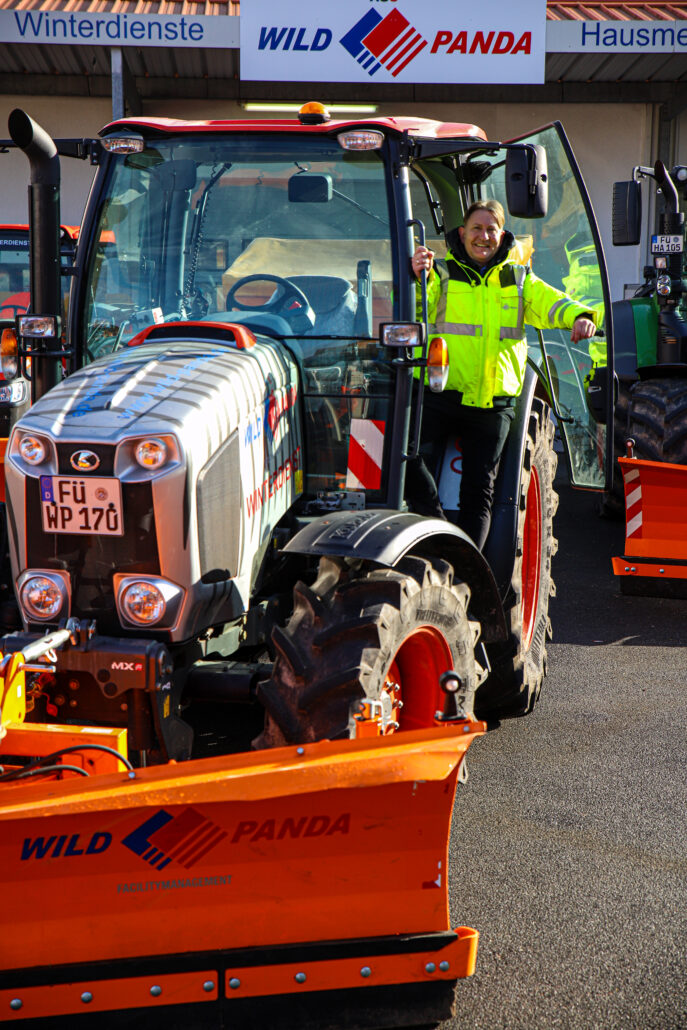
(481, 236)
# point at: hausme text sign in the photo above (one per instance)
(494, 41)
(616, 37)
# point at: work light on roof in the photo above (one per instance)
(124, 144)
(361, 139)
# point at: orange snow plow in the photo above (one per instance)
(300, 886)
(655, 558)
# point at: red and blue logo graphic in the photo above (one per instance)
(184, 838)
(388, 42)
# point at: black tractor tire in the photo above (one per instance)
(612, 502)
(658, 420)
(518, 666)
(363, 633)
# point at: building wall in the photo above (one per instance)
(607, 139)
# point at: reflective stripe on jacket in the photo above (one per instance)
(482, 319)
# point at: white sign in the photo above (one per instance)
(107, 29)
(495, 41)
(616, 37)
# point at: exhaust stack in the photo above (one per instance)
(44, 235)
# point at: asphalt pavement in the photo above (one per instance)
(569, 843)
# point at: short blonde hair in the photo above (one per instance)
(492, 206)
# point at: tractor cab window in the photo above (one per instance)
(287, 234)
(14, 272)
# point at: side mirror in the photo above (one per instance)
(627, 213)
(310, 189)
(527, 181)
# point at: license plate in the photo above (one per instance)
(667, 244)
(73, 505)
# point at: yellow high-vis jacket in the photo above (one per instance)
(482, 318)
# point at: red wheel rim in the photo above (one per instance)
(413, 677)
(531, 559)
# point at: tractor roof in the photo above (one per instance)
(417, 127)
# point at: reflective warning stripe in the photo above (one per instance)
(456, 328)
(365, 451)
(633, 503)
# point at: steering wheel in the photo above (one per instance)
(288, 301)
(15, 309)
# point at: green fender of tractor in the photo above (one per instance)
(385, 537)
(635, 331)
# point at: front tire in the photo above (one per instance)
(518, 666)
(364, 634)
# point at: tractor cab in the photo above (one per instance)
(303, 232)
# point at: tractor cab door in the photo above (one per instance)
(563, 248)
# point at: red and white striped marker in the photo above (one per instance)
(633, 503)
(365, 451)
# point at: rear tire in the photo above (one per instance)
(658, 420)
(367, 634)
(518, 666)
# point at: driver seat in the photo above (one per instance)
(333, 300)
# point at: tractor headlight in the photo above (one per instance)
(147, 601)
(39, 327)
(42, 597)
(402, 334)
(141, 458)
(143, 603)
(33, 450)
(151, 454)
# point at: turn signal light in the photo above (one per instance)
(437, 365)
(9, 354)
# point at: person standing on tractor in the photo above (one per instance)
(479, 300)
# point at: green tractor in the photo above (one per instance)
(651, 329)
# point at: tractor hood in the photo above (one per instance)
(172, 459)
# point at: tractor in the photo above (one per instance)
(651, 409)
(210, 547)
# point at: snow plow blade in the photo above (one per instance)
(302, 886)
(655, 559)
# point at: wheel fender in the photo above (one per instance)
(385, 537)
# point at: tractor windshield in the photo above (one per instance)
(287, 233)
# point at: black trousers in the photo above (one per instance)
(483, 433)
